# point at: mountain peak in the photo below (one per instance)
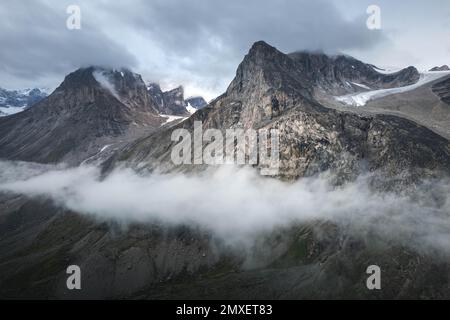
(262, 52)
(441, 68)
(261, 46)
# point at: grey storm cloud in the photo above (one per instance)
(187, 26)
(177, 40)
(36, 43)
(203, 41)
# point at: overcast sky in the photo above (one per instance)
(199, 43)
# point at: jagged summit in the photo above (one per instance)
(197, 102)
(14, 101)
(341, 74)
(441, 68)
(271, 91)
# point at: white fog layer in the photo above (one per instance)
(237, 204)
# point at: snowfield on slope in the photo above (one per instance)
(7, 111)
(361, 99)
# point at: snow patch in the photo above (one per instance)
(361, 99)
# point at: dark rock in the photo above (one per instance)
(442, 89)
(441, 68)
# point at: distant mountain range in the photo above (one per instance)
(13, 101)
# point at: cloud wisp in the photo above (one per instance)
(237, 205)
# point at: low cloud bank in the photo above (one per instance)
(238, 204)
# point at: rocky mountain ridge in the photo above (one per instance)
(173, 102)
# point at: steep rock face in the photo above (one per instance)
(127, 86)
(270, 91)
(90, 106)
(168, 102)
(442, 89)
(174, 101)
(320, 260)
